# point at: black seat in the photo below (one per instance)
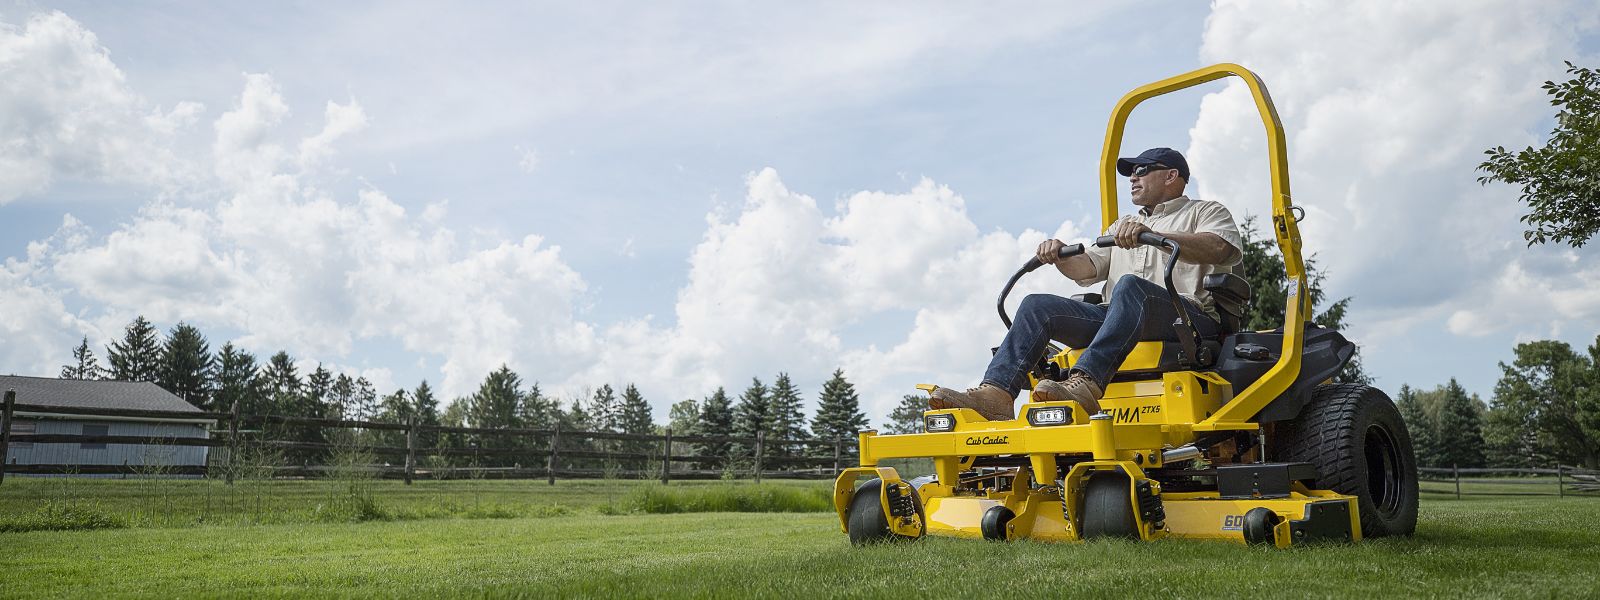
(1231, 295)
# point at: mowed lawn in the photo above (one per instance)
(1473, 547)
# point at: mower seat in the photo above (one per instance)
(1231, 295)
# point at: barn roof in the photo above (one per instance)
(140, 395)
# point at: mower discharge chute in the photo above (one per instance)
(1240, 437)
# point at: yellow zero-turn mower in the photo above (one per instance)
(1242, 437)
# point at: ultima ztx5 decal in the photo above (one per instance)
(1132, 414)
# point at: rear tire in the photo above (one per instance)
(1108, 507)
(1355, 437)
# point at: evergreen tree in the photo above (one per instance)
(907, 416)
(364, 399)
(186, 365)
(319, 389)
(238, 381)
(427, 414)
(138, 356)
(839, 413)
(633, 417)
(1262, 266)
(84, 364)
(342, 397)
(750, 415)
(604, 411)
(498, 401)
(537, 411)
(394, 408)
(1460, 428)
(282, 383)
(786, 418)
(716, 420)
(1420, 424)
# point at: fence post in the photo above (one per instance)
(411, 449)
(760, 437)
(1561, 482)
(838, 446)
(5, 431)
(666, 457)
(550, 461)
(233, 440)
(1457, 470)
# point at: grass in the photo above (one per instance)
(1481, 546)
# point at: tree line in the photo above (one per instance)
(182, 363)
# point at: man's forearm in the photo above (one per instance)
(1204, 248)
(1077, 267)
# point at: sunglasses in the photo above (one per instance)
(1142, 170)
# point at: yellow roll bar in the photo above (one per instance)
(1277, 379)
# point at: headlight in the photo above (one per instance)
(938, 423)
(1055, 415)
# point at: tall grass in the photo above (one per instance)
(733, 498)
(60, 515)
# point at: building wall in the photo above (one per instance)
(111, 454)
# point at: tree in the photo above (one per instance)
(427, 414)
(186, 365)
(907, 416)
(633, 417)
(839, 413)
(1420, 425)
(1262, 266)
(498, 401)
(319, 389)
(364, 400)
(342, 397)
(604, 410)
(537, 411)
(1555, 393)
(1560, 181)
(684, 417)
(84, 365)
(138, 356)
(1459, 423)
(786, 417)
(238, 381)
(750, 415)
(716, 420)
(281, 381)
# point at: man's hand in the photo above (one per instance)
(1127, 233)
(1050, 251)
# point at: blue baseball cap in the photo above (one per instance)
(1165, 156)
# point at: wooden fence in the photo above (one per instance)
(549, 453)
(1512, 482)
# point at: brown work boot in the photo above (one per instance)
(991, 402)
(1078, 387)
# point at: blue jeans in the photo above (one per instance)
(1140, 310)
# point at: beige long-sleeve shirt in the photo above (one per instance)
(1178, 215)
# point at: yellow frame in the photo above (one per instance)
(1251, 400)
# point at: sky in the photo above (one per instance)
(689, 195)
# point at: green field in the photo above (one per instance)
(271, 539)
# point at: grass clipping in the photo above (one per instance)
(737, 498)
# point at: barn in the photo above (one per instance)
(80, 395)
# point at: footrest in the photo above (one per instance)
(1264, 480)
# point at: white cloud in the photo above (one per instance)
(1387, 107)
(527, 159)
(67, 111)
(780, 285)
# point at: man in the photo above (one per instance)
(1137, 308)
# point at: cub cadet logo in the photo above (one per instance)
(987, 440)
(1132, 414)
(1232, 522)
